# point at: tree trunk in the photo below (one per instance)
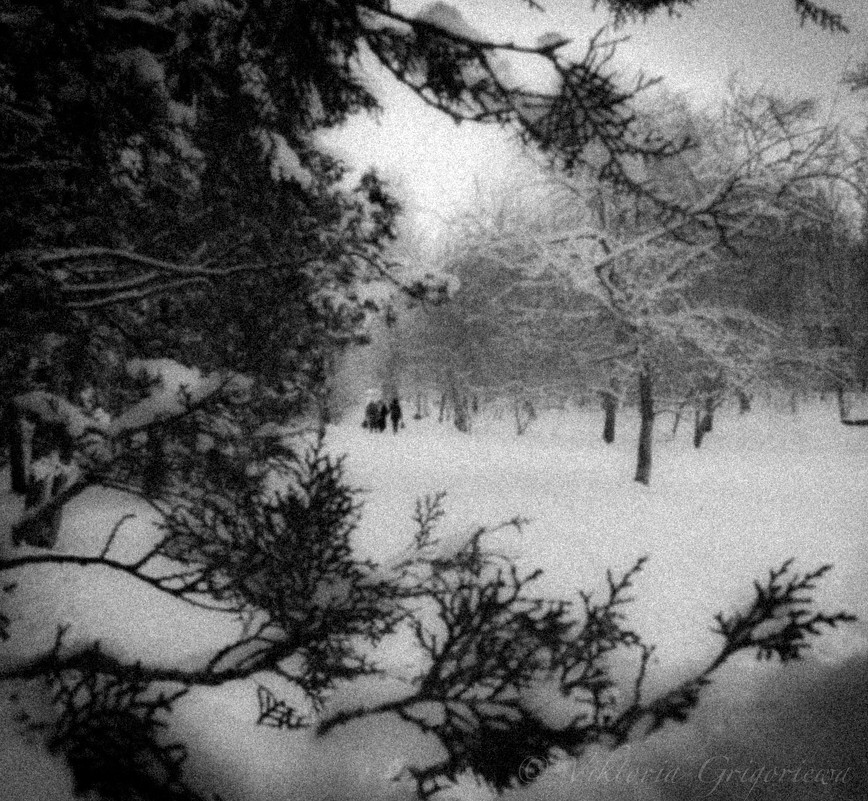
(525, 414)
(156, 467)
(703, 423)
(42, 530)
(462, 414)
(700, 428)
(19, 434)
(519, 421)
(708, 417)
(646, 429)
(610, 410)
(843, 410)
(676, 421)
(442, 414)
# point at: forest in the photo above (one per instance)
(633, 372)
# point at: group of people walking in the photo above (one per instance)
(378, 414)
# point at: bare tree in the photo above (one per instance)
(761, 160)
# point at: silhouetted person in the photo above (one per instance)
(395, 414)
(382, 416)
(372, 416)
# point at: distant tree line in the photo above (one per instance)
(751, 279)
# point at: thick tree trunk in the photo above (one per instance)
(19, 434)
(704, 422)
(646, 428)
(610, 411)
(708, 417)
(700, 428)
(155, 468)
(462, 415)
(41, 530)
(460, 410)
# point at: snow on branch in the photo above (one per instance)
(587, 121)
(80, 273)
(49, 409)
(88, 447)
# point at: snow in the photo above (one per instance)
(181, 114)
(448, 18)
(764, 487)
(175, 388)
(148, 69)
(380, 293)
(285, 163)
(551, 40)
(52, 409)
(28, 771)
(711, 521)
(166, 372)
(132, 620)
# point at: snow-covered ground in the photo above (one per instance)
(764, 487)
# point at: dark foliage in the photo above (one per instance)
(503, 674)
(276, 713)
(780, 619)
(823, 16)
(624, 11)
(488, 643)
(284, 560)
(111, 732)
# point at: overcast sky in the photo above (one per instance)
(434, 164)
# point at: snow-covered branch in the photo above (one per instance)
(587, 112)
(81, 273)
(88, 445)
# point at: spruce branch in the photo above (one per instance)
(820, 15)
(487, 641)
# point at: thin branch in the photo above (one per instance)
(115, 529)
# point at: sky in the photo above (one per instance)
(436, 166)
